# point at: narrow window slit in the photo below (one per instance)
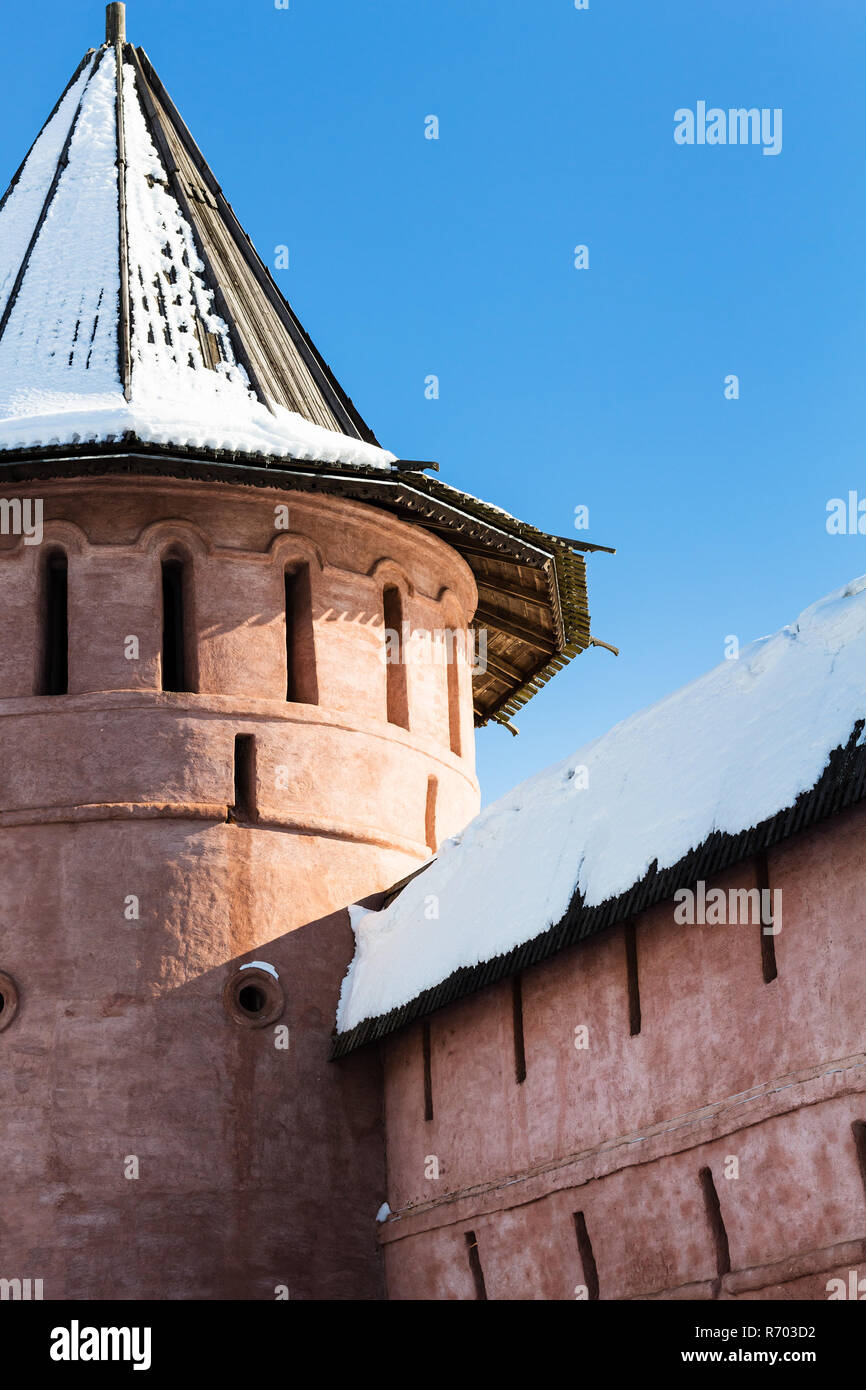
(244, 808)
(475, 1266)
(858, 1129)
(430, 813)
(453, 693)
(768, 943)
(428, 1072)
(634, 1018)
(716, 1223)
(175, 661)
(587, 1258)
(517, 1016)
(302, 686)
(395, 658)
(54, 679)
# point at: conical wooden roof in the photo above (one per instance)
(132, 301)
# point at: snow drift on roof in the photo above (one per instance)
(723, 754)
(60, 342)
(169, 296)
(26, 197)
(60, 282)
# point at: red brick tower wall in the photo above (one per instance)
(159, 1141)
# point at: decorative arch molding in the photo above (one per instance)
(64, 534)
(464, 593)
(454, 608)
(162, 535)
(285, 549)
(387, 571)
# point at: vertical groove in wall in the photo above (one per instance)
(858, 1129)
(302, 684)
(451, 649)
(633, 980)
(716, 1223)
(475, 1266)
(428, 1072)
(768, 943)
(430, 813)
(244, 808)
(517, 1017)
(175, 625)
(54, 675)
(395, 658)
(587, 1257)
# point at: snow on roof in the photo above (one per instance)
(724, 753)
(62, 320)
(27, 195)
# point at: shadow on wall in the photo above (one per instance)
(227, 1158)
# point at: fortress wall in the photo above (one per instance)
(725, 1066)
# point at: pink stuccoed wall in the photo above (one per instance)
(725, 1066)
(258, 1167)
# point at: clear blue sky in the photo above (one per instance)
(558, 387)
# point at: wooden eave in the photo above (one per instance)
(532, 586)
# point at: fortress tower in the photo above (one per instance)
(223, 723)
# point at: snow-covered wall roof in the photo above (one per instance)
(723, 754)
(112, 324)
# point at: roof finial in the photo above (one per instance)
(115, 24)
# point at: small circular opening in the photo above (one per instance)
(252, 999)
(2, 1003)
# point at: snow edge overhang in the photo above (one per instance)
(841, 785)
